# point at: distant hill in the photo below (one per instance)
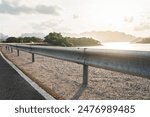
(144, 40)
(105, 36)
(38, 35)
(3, 37)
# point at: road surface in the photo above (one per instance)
(13, 86)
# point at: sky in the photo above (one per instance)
(74, 16)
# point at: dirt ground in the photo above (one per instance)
(62, 79)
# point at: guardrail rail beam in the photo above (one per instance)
(126, 61)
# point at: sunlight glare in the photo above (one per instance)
(118, 45)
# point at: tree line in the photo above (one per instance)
(56, 39)
(22, 40)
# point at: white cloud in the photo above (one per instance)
(14, 8)
(75, 16)
(45, 25)
(128, 19)
(142, 27)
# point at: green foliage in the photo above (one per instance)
(57, 39)
(83, 41)
(29, 39)
(11, 40)
(22, 40)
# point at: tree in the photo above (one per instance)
(57, 39)
(22, 40)
(83, 41)
(11, 40)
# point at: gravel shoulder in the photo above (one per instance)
(62, 79)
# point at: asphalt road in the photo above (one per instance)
(13, 86)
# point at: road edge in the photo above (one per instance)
(31, 82)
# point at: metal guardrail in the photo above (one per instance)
(126, 61)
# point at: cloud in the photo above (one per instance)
(128, 19)
(45, 25)
(142, 27)
(50, 25)
(14, 9)
(148, 17)
(75, 16)
(47, 9)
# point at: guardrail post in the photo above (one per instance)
(33, 57)
(11, 50)
(84, 83)
(85, 74)
(17, 52)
